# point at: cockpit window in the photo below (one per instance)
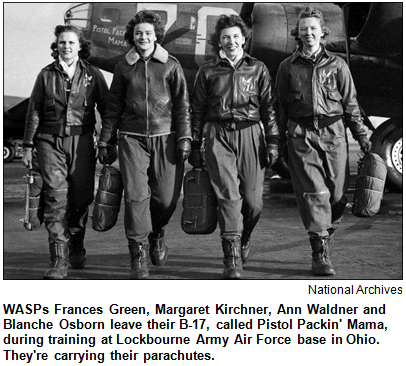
(110, 15)
(78, 15)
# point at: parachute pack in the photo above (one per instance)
(369, 186)
(199, 214)
(108, 199)
(34, 200)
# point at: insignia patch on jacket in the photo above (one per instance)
(327, 77)
(88, 80)
(246, 84)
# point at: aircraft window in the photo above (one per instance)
(110, 15)
(211, 23)
(186, 21)
(163, 15)
(193, 22)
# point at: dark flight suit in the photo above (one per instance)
(316, 102)
(149, 105)
(234, 120)
(61, 121)
(235, 106)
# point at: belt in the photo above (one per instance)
(234, 124)
(316, 123)
(61, 130)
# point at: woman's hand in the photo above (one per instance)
(27, 157)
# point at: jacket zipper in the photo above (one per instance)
(314, 96)
(66, 100)
(62, 91)
(235, 96)
(146, 96)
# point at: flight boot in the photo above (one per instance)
(245, 246)
(158, 251)
(77, 253)
(58, 268)
(331, 232)
(232, 259)
(321, 264)
(138, 260)
(77, 220)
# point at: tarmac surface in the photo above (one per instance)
(365, 248)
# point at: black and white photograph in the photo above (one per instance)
(277, 197)
(154, 152)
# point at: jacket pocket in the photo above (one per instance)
(254, 100)
(214, 106)
(334, 95)
(88, 111)
(253, 108)
(49, 109)
(163, 108)
(134, 109)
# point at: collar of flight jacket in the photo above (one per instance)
(298, 53)
(160, 54)
(218, 59)
(237, 59)
(56, 64)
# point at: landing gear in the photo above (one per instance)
(387, 141)
(9, 151)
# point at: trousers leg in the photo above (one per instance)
(251, 162)
(165, 180)
(53, 164)
(318, 162)
(221, 162)
(337, 169)
(236, 165)
(134, 160)
(152, 183)
(82, 168)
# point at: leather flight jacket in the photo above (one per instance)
(238, 96)
(62, 107)
(147, 98)
(317, 93)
